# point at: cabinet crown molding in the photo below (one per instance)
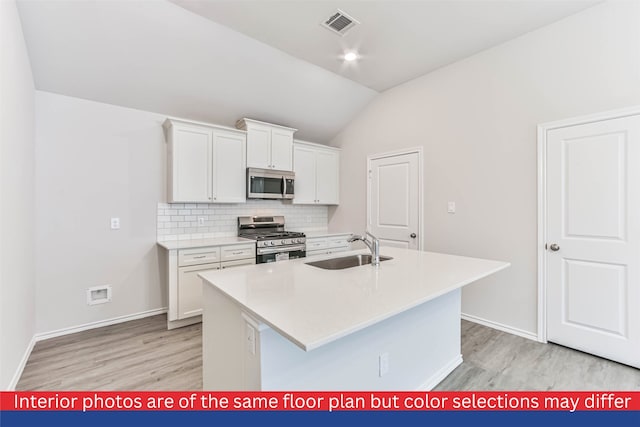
(309, 144)
(244, 123)
(170, 121)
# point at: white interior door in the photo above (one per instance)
(394, 199)
(593, 221)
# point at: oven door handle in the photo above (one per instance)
(275, 250)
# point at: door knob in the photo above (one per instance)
(412, 235)
(554, 247)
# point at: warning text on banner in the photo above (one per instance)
(321, 401)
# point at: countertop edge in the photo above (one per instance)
(355, 328)
(171, 245)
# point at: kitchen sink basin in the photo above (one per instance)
(345, 261)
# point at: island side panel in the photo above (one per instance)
(422, 345)
(227, 362)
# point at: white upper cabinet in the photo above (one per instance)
(206, 163)
(268, 146)
(317, 174)
(304, 158)
(229, 170)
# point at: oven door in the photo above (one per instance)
(264, 255)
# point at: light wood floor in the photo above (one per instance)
(143, 355)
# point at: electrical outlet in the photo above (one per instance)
(201, 220)
(115, 223)
(383, 364)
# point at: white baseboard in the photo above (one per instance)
(501, 327)
(441, 374)
(73, 329)
(173, 324)
(22, 364)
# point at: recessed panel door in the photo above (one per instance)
(229, 177)
(394, 200)
(192, 164)
(593, 234)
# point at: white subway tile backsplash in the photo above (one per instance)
(178, 221)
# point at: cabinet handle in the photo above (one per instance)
(237, 253)
(199, 257)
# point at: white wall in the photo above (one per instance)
(476, 120)
(17, 277)
(96, 161)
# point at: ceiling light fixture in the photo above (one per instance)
(350, 56)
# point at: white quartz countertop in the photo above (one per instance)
(201, 243)
(313, 234)
(312, 307)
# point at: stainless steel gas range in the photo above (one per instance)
(273, 243)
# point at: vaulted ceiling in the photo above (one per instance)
(266, 60)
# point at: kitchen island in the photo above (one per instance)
(292, 326)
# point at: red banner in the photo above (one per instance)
(570, 401)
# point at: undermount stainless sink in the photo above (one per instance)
(345, 261)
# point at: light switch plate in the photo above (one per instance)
(451, 207)
(115, 223)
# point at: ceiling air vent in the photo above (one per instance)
(340, 22)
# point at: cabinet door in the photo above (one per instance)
(191, 168)
(258, 146)
(190, 289)
(305, 169)
(229, 175)
(327, 164)
(282, 149)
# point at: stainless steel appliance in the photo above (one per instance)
(273, 243)
(270, 184)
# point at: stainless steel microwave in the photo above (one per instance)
(270, 184)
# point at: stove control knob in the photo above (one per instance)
(284, 242)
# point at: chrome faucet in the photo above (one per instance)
(372, 243)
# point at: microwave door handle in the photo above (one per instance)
(284, 186)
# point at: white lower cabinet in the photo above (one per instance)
(328, 244)
(190, 289)
(185, 287)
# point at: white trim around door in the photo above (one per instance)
(543, 130)
(411, 150)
